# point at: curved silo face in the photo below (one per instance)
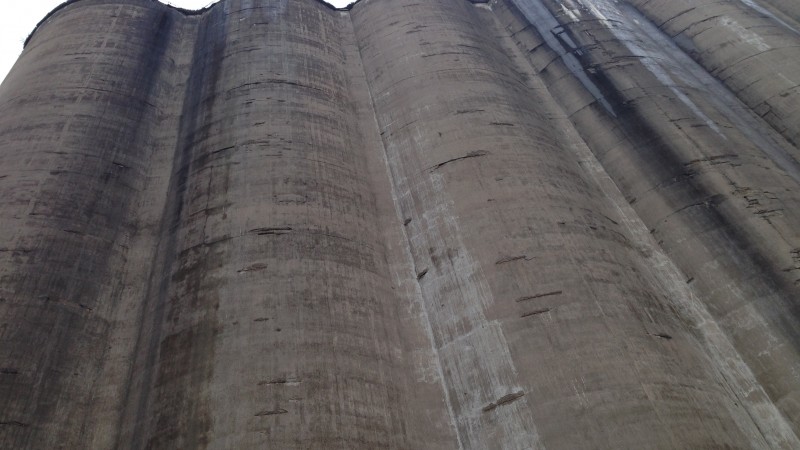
(751, 48)
(275, 326)
(76, 110)
(440, 224)
(541, 305)
(714, 183)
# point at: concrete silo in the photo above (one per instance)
(444, 224)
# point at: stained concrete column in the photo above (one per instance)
(275, 326)
(535, 296)
(714, 184)
(752, 51)
(76, 114)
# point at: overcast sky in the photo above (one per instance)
(20, 16)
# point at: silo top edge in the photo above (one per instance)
(187, 12)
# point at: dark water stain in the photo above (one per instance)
(170, 408)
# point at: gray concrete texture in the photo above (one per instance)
(439, 224)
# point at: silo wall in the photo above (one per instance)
(446, 224)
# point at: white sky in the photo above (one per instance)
(20, 16)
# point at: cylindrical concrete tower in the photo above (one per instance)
(449, 224)
(272, 319)
(77, 118)
(541, 310)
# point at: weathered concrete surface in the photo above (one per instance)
(444, 224)
(704, 154)
(735, 41)
(787, 10)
